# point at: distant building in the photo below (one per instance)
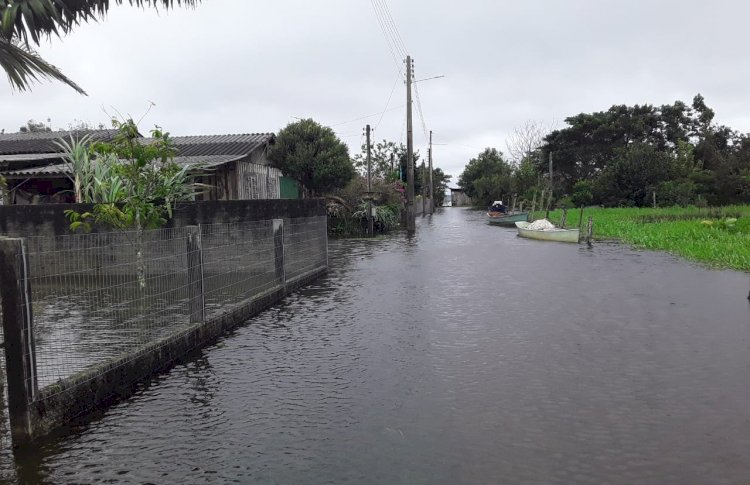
(235, 167)
(459, 198)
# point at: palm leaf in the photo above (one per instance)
(33, 19)
(24, 66)
(26, 22)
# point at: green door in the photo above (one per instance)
(289, 188)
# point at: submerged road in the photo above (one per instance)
(462, 355)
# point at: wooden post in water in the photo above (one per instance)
(580, 220)
(18, 332)
(590, 231)
(196, 300)
(541, 200)
(549, 203)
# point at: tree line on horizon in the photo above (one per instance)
(621, 157)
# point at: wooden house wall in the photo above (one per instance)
(257, 181)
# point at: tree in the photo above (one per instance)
(525, 140)
(384, 160)
(439, 185)
(313, 155)
(32, 126)
(133, 186)
(633, 176)
(27, 22)
(487, 177)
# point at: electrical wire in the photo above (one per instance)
(379, 113)
(390, 96)
(394, 28)
(387, 33)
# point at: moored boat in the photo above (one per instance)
(507, 218)
(526, 229)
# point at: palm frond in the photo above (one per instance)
(24, 66)
(33, 19)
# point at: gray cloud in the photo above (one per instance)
(249, 66)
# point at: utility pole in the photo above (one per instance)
(393, 167)
(411, 223)
(424, 190)
(432, 196)
(370, 222)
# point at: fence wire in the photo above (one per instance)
(101, 297)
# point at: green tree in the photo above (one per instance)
(487, 177)
(384, 160)
(24, 23)
(440, 182)
(313, 155)
(633, 176)
(133, 186)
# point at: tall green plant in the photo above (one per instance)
(133, 185)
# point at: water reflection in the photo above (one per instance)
(461, 355)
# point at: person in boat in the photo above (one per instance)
(498, 206)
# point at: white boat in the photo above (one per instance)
(553, 234)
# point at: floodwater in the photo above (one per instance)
(462, 355)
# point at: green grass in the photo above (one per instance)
(707, 235)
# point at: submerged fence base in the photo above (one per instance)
(80, 394)
(202, 281)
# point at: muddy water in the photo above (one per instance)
(463, 355)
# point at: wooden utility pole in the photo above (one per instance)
(411, 223)
(393, 167)
(370, 222)
(432, 195)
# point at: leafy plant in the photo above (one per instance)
(133, 186)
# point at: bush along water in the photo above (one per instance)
(347, 208)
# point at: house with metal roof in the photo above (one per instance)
(235, 167)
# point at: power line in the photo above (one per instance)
(387, 33)
(394, 29)
(379, 113)
(395, 83)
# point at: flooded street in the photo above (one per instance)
(462, 355)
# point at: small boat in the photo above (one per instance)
(551, 234)
(506, 218)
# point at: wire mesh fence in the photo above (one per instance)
(104, 297)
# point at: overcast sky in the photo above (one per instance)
(239, 66)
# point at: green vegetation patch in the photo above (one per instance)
(719, 237)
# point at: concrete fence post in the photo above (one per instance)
(20, 351)
(278, 245)
(194, 249)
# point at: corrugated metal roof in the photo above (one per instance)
(204, 162)
(25, 157)
(44, 142)
(241, 144)
(57, 169)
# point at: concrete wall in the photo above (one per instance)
(50, 219)
(298, 255)
(460, 199)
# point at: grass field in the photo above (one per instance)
(718, 236)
